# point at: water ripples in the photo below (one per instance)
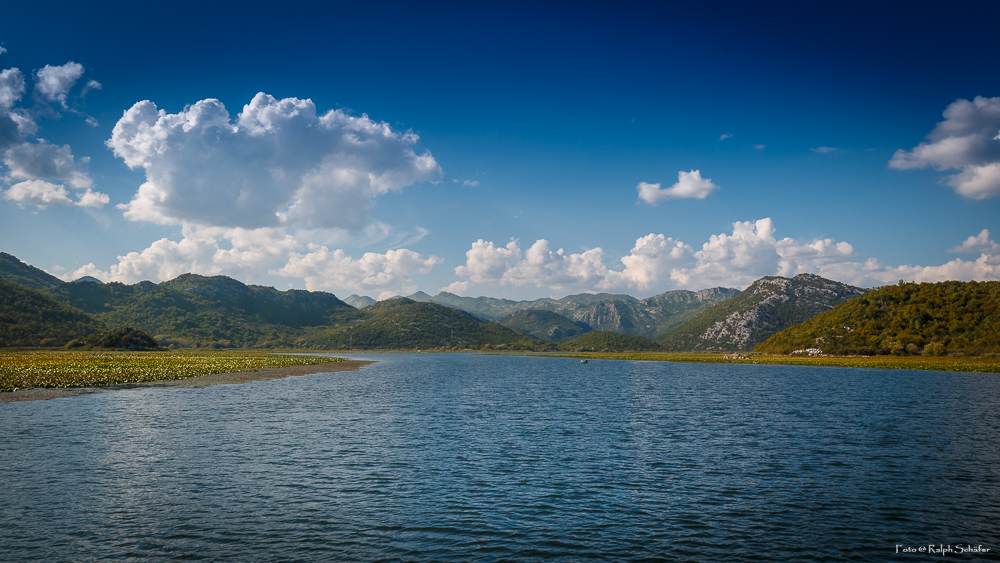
(463, 457)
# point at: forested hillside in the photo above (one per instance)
(29, 276)
(600, 341)
(217, 311)
(29, 317)
(545, 325)
(926, 318)
(402, 323)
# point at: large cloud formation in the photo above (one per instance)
(251, 254)
(279, 164)
(968, 140)
(388, 273)
(38, 172)
(657, 263)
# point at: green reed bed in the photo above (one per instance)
(977, 364)
(59, 368)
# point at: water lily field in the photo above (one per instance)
(62, 368)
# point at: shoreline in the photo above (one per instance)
(234, 378)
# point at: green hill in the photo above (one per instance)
(769, 305)
(545, 325)
(29, 276)
(402, 323)
(928, 318)
(599, 341)
(217, 311)
(29, 317)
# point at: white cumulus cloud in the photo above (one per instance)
(38, 171)
(278, 164)
(689, 185)
(38, 193)
(968, 140)
(11, 87)
(53, 83)
(390, 273)
(241, 253)
(45, 161)
(657, 263)
(979, 244)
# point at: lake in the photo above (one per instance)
(461, 457)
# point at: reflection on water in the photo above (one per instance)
(459, 457)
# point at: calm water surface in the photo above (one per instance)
(464, 457)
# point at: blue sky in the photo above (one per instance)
(506, 149)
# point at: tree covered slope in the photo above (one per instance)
(29, 317)
(599, 341)
(29, 276)
(928, 318)
(545, 325)
(402, 323)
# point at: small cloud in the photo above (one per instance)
(2, 50)
(759, 147)
(689, 185)
(825, 150)
(965, 142)
(470, 183)
(11, 87)
(92, 85)
(979, 244)
(38, 193)
(725, 136)
(458, 288)
(54, 82)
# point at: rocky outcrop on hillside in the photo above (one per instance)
(769, 305)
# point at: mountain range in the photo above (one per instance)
(218, 311)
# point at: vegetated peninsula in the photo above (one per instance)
(932, 319)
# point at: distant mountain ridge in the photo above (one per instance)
(606, 312)
(217, 311)
(220, 312)
(767, 306)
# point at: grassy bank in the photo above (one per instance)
(968, 363)
(61, 368)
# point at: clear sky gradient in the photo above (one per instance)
(508, 149)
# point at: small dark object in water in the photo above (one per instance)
(583, 361)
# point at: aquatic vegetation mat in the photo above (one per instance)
(56, 369)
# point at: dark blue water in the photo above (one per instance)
(464, 457)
